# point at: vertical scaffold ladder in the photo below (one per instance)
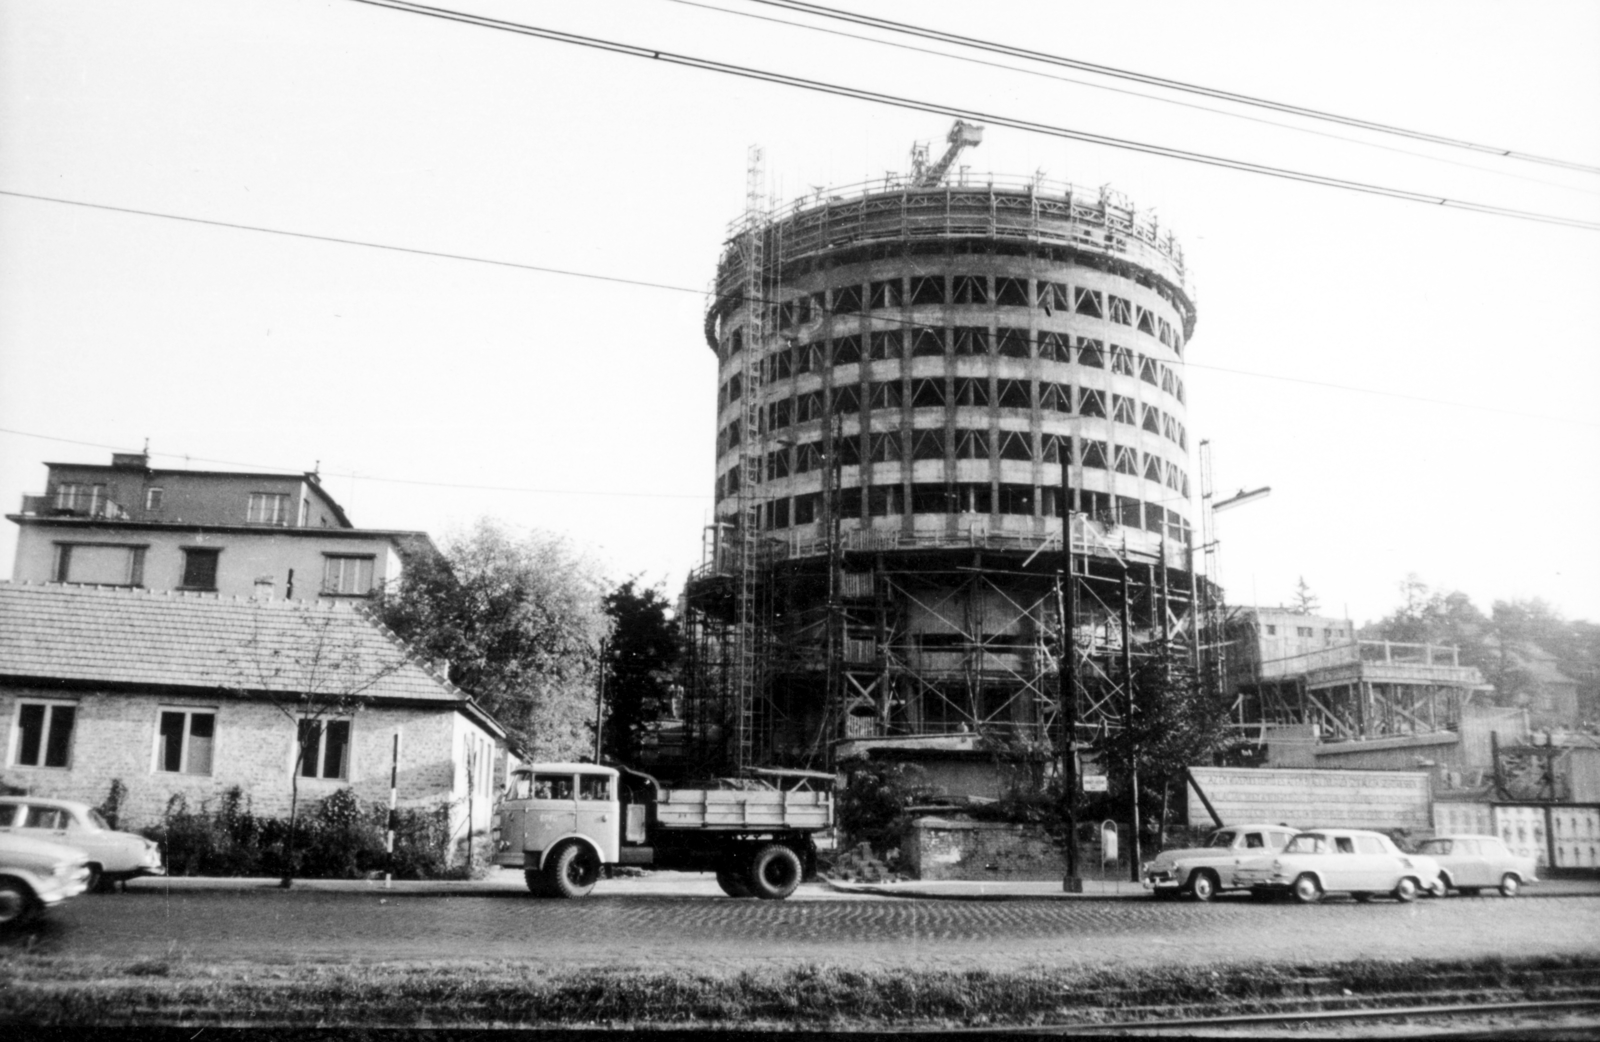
(750, 457)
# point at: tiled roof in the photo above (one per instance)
(82, 633)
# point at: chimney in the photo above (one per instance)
(263, 588)
(130, 460)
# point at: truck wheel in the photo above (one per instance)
(733, 883)
(573, 871)
(1203, 886)
(775, 872)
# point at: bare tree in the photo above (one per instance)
(314, 663)
(1305, 601)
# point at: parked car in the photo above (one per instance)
(1353, 861)
(35, 874)
(113, 855)
(1472, 863)
(1203, 872)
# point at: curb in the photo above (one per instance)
(933, 895)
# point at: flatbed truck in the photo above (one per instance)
(561, 823)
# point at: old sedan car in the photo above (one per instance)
(1473, 863)
(113, 855)
(35, 874)
(1203, 872)
(1353, 861)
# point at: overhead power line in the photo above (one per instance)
(1193, 106)
(1162, 81)
(595, 276)
(973, 115)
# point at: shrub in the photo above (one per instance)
(871, 807)
(340, 839)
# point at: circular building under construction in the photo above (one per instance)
(921, 385)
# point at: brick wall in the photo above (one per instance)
(115, 736)
(943, 848)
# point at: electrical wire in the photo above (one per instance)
(897, 101)
(354, 475)
(903, 324)
(800, 6)
(1139, 94)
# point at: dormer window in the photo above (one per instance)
(268, 508)
(152, 499)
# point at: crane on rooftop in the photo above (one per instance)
(962, 135)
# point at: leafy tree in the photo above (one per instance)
(639, 659)
(312, 670)
(1305, 602)
(1174, 723)
(517, 619)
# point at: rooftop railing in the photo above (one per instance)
(73, 505)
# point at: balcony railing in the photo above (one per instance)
(97, 508)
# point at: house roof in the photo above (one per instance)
(54, 632)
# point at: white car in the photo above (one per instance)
(1473, 863)
(1353, 861)
(1203, 872)
(35, 875)
(112, 855)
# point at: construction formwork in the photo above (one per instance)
(951, 429)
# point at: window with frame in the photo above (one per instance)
(927, 342)
(325, 749)
(1091, 353)
(153, 498)
(200, 568)
(970, 289)
(846, 300)
(347, 574)
(1053, 348)
(886, 294)
(1010, 292)
(185, 741)
(971, 340)
(885, 344)
(80, 498)
(927, 289)
(847, 350)
(43, 734)
(268, 508)
(98, 564)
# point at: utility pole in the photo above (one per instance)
(1072, 883)
(1133, 751)
(600, 701)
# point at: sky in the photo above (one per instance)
(1416, 383)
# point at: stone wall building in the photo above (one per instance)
(182, 694)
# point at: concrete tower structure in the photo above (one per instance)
(910, 375)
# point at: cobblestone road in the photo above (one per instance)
(718, 934)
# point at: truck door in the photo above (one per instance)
(552, 812)
(599, 813)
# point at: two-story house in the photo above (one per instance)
(231, 533)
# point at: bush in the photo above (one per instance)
(338, 839)
(872, 805)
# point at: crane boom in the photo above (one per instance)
(962, 135)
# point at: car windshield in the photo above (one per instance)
(1435, 846)
(1222, 839)
(1307, 843)
(98, 821)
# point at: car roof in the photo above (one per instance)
(1346, 832)
(1463, 835)
(1258, 825)
(48, 801)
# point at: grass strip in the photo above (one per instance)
(55, 990)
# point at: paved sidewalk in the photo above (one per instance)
(696, 884)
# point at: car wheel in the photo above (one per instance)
(1362, 896)
(1203, 886)
(1509, 885)
(775, 872)
(1307, 890)
(97, 880)
(1438, 888)
(574, 871)
(733, 883)
(1444, 885)
(17, 905)
(1405, 890)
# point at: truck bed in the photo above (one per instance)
(743, 809)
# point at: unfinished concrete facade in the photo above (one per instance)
(908, 378)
